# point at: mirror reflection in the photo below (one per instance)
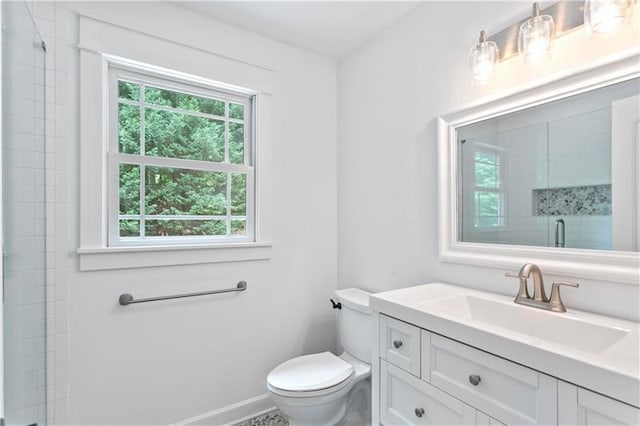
(563, 174)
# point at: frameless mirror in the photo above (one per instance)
(562, 174)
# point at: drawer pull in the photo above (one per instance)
(397, 344)
(419, 412)
(474, 379)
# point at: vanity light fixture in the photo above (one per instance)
(535, 36)
(483, 59)
(532, 38)
(604, 16)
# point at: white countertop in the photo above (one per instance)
(612, 370)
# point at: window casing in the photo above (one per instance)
(180, 161)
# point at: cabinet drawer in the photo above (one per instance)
(509, 392)
(407, 400)
(400, 344)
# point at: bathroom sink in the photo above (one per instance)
(589, 350)
(563, 329)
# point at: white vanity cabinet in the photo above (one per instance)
(428, 379)
(582, 407)
(407, 400)
(507, 391)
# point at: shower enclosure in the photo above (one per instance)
(23, 368)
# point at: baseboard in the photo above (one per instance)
(231, 414)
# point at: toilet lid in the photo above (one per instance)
(310, 372)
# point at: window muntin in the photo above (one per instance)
(181, 162)
(488, 193)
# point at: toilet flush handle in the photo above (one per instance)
(336, 305)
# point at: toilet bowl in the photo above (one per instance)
(326, 389)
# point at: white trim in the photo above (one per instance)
(104, 258)
(624, 121)
(610, 266)
(2, 381)
(232, 414)
(115, 41)
(178, 163)
(157, 77)
(103, 45)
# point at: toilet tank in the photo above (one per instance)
(354, 323)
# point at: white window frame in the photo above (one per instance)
(102, 45)
(115, 158)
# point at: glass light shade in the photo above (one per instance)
(535, 38)
(604, 16)
(482, 61)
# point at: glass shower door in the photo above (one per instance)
(23, 208)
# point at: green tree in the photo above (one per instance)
(177, 133)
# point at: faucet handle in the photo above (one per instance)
(523, 291)
(555, 301)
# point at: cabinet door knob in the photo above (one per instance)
(419, 412)
(397, 344)
(474, 379)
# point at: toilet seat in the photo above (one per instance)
(311, 375)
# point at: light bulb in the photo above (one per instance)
(604, 16)
(538, 48)
(482, 60)
(535, 36)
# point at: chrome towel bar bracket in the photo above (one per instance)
(127, 299)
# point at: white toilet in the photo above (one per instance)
(325, 389)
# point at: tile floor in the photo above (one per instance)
(272, 418)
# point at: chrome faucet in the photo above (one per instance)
(539, 299)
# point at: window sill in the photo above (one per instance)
(105, 258)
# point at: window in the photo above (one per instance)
(180, 162)
(488, 192)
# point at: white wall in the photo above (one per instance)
(164, 362)
(390, 93)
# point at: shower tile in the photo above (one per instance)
(573, 201)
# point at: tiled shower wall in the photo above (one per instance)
(23, 209)
(50, 18)
(543, 156)
(590, 135)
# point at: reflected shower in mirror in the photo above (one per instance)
(561, 174)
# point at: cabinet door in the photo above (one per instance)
(577, 406)
(407, 400)
(400, 344)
